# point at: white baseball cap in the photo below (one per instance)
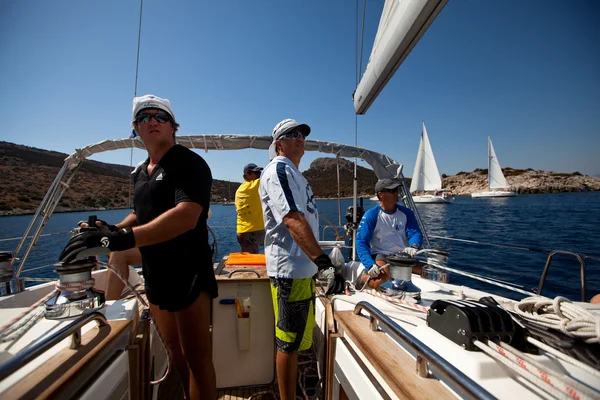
(289, 125)
(151, 101)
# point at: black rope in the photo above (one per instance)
(587, 353)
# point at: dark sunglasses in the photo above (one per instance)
(291, 135)
(144, 118)
(395, 190)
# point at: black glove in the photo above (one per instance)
(335, 283)
(95, 243)
(323, 262)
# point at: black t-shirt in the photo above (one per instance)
(180, 176)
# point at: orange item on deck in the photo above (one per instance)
(243, 258)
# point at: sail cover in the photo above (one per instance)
(496, 179)
(402, 24)
(426, 175)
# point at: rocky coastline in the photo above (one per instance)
(26, 173)
(522, 181)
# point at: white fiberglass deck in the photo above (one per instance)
(498, 380)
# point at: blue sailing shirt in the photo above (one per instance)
(382, 232)
(283, 189)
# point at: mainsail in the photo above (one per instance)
(426, 175)
(496, 179)
(402, 24)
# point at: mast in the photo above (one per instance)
(489, 165)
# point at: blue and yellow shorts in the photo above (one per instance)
(294, 306)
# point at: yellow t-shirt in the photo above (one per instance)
(248, 207)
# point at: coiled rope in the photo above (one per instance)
(562, 315)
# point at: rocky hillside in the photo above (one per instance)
(322, 176)
(26, 173)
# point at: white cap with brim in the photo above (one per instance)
(289, 125)
(151, 101)
(285, 126)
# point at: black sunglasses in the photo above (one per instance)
(395, 190)
(144, 118)
(292, 135)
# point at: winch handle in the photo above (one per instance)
(92, 221)
(434, 250)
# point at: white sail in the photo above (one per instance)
(496, 179)
(426, 176)
(402, 24)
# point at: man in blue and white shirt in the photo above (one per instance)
(386, 229)
(292, 249)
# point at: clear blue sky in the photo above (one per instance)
(526, 73)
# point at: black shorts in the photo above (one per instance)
(173, 286)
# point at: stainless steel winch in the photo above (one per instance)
(400, 284)
(75, 290)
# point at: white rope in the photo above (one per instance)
(531, 377)
(18, 326)
(562, 315)
(526, 361)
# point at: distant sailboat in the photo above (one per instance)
(426, 176)
(227, 201)
(496, 179)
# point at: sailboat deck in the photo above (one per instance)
(395, 365)
(171, 388)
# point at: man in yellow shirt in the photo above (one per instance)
(250, 223)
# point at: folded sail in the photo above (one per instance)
(496, 179)
(402, 24)
(426, 176)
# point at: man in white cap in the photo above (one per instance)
(386, 229)
(250, 223)
(168, 225)
(292, 249)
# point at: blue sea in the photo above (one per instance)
(565, 221)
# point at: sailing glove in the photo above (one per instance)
(411, 251)
(335, 283)
(374, 271)
(323, 262)
(96, 243)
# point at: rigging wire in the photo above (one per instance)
(358, 60)
(137, 65)
(508, 246)
(29, 237)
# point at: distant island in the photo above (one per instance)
(27, 172)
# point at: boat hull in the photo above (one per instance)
(495, 193)
(432, 199)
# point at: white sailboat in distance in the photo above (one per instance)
(426, 177)
(496, 179)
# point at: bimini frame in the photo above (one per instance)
(383, 166)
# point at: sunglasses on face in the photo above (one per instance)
(395, 190)
(291, 135)
(144, 118)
